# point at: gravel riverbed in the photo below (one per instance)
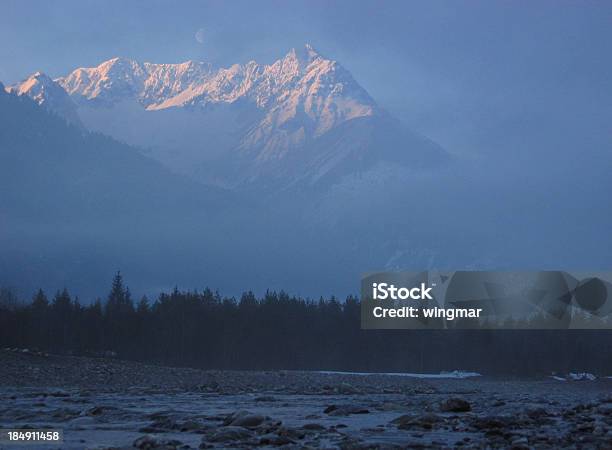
(108, 403)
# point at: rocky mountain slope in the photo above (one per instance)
(49, 94)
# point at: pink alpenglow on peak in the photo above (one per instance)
(301, 119)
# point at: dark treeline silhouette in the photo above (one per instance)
(203, 329)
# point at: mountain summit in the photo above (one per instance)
(299, 120)
(49, 94)
(301, 82)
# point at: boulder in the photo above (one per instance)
(455, 404)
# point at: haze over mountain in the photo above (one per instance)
(81, 205)
(74, 200)
(301, 121)
(354, 189)
(78, 205)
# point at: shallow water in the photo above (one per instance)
(102, 418)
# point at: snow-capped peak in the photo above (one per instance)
(265, 117)
(303, 92)
(49, 94)
(38, 87)
(302, 56)
(301, 96)
(160, 86)
(301, 119)
(118, 79)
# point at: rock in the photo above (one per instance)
(426, 421)
(345, 410)
(151, 443)
(231, 417)
(244, 419)
(160, 424)
(313, 427)
(193, 426)
(291, 433)
(229, 434)
(97, 410)
(372, 430)
(537, 413)
(520, 443)
(272, 439)
(402, 419)
(248, 421)
(455, 404)
(605, 409)
(81, 422)
(491, 422)
(60, 394)
(389, 406)
(586, 428)
(145, 442)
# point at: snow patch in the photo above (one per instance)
(580, 376)
(558, 378)
(454, 374)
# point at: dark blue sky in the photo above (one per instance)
(479, 77)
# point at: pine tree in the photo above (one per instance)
(116, 297)
(62, 319)
(40, 301)
(143, 307)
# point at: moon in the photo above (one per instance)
(200, 35)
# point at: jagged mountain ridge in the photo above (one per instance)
(49, 94)
(300, 77)
(246, 124)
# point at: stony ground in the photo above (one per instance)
(107, 403)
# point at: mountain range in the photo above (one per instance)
(255, 176)
(300, 122)
(287, 175)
